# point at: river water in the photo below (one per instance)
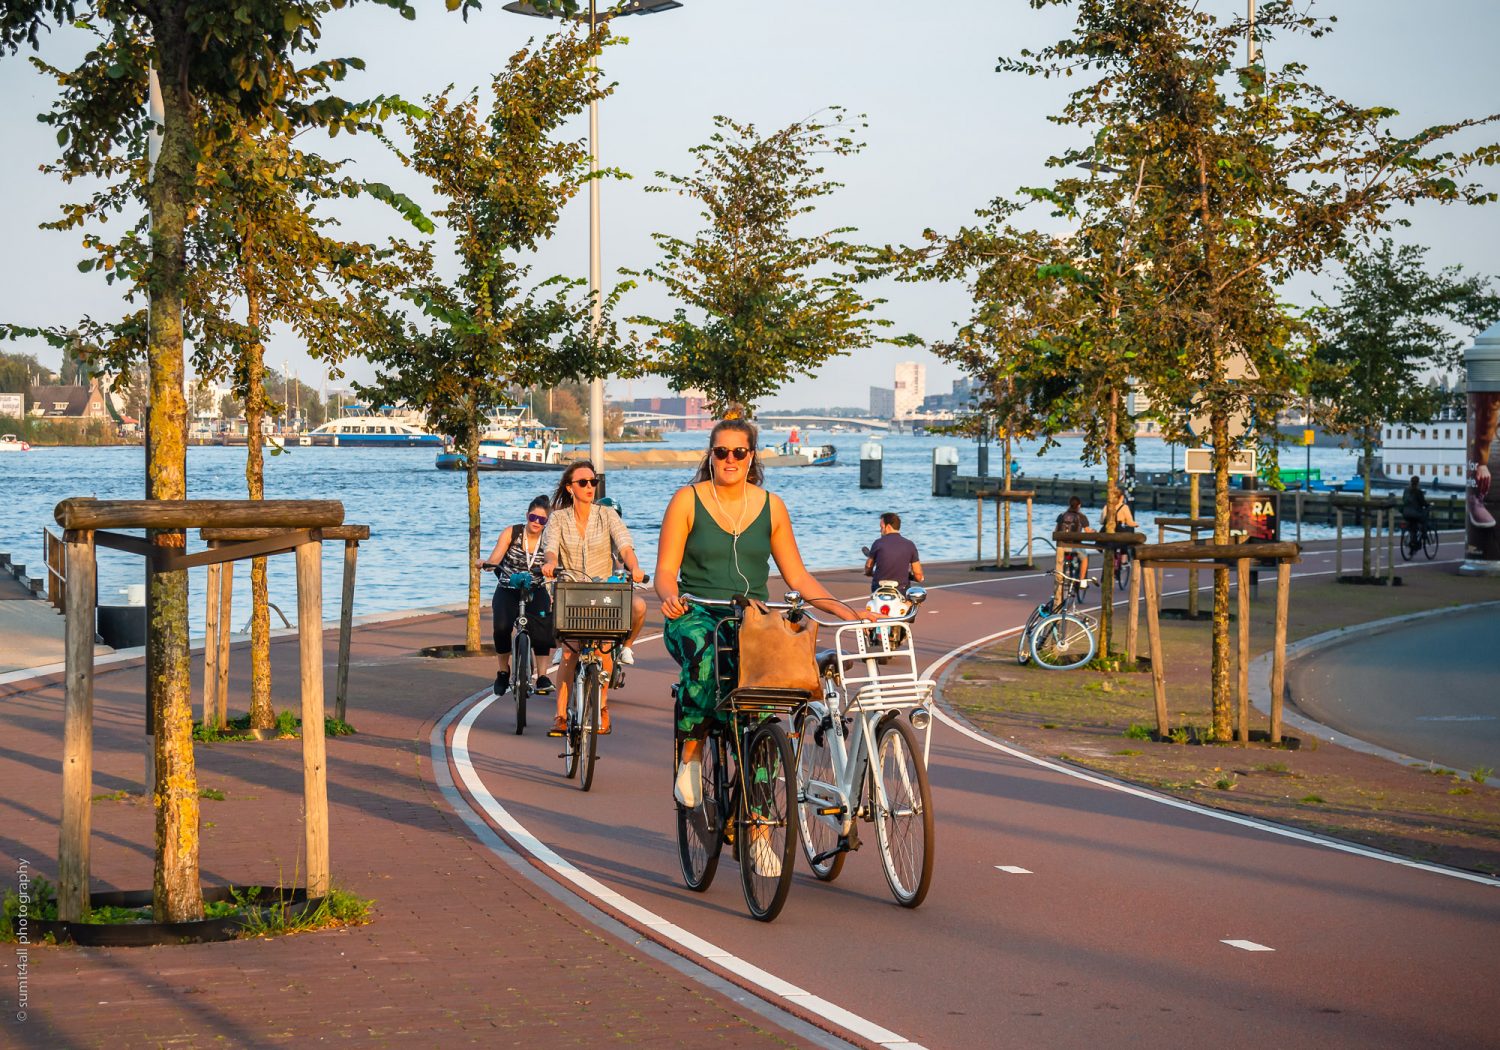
(418, 547)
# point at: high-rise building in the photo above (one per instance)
(882, 402)
(911, 388)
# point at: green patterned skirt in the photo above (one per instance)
(690, 640)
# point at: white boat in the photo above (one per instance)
(529, 446)
(1433, 451)
(371, 431)
(11, 443)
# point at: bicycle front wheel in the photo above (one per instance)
(903, 822)
(571, 737)
(1411, 542)
(1063, 642)
(700, 830)
(770, 831)
(520, 673)
(1023, 642)
(816, 793)
(1430, 543)
(1122, 573)
(588, 726)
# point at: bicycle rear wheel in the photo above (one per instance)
(571, 737)
(1063, 642)
(767, 789)
(815, 791)
(1411, 542)
(700, 830)
(904, 824)
(520, 673)
(1122, 572)
(1430, 543)
(1023, 642)
(588, 726)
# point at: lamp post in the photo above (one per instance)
(596, 386)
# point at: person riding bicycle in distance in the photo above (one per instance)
(1414, 507)
(585, 539)
(1075, 520)
(519, 549)
(893, 556)
(718, 538)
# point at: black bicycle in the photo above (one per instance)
(1419, 536)
(521, 658)
(754, 814)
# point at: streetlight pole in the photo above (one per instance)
(596, 278)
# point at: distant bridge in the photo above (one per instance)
(632, 416)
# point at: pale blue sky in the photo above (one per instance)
(946, 132)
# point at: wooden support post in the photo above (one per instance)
(1153, 633)
(1338, 542)
(1242, 571)
(346, 627)
(213, 607)
(226, 628)
(1133, 625)
(1002, 542)
(979, 530)
(1057, 578)
(1298, 497)
(314, 756)
(1030, 563)
(78, 728)
(1278, 651)
(1193, 481)
(1390, 547)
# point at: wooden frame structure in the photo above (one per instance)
(297, 526)
(1155, 558)
(220, 593)
(1190, 527)
(1104, 543)
(1003, 498)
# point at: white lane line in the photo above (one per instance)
(1176, 803)
(1011, 869)
(1248, 946)
(588, 887)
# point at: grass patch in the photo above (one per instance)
(1049, 725)
(1312, 800)
(1128, 752)
(1273, 767)
(286, 726)
(1480, 774)
(1137, 731)
(338, 908)
(113, 796)
(211, 793)
(40, 903)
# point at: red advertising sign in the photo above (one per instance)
(1253, 516)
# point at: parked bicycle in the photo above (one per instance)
(750, 813)
(1071, 588)
(1064, 638)
(859, 758)
(1419, 536)
(594, 615)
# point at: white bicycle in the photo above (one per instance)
(859, 757)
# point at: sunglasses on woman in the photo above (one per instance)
(721, 453)
(587, 483)
(540, 519)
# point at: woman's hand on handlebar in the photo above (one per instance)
(673, 607)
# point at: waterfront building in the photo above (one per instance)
(1432, 451)
(75, 404)
(882, 402)
(910, 388)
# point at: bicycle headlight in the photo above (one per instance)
(920, 718)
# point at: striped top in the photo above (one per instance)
(592, 550)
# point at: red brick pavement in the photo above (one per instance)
(462, 950)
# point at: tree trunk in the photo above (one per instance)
(176, 895)
(1219, 425)
(471, 452)
(1369, 460)
(262, 713)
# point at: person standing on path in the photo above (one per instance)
(519, 549)
(586, 540)
(893, 556)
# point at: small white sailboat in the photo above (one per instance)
(11, 443)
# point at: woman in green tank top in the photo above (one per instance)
(718, 538)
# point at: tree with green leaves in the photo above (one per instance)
(1392, 323)
(223, 69)
(1249, 176)
(503, 172)
(758, 299)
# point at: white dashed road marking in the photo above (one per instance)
(1249, 946)
(1011, 869)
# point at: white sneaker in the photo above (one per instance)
(627, 655)
(763, 857)
(688, 788)
(556, 663)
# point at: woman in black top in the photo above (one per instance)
(519, 549)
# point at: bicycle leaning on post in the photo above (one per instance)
(859, 759)
(1050, 605)
(594, 615)
(752, 813)
(1064, 637)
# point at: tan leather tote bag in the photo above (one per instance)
(776, 653)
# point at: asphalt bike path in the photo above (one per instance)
(1065, 910)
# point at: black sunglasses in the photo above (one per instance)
(540, 519)
(722, 453)
(587, 483)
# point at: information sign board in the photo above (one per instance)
(1254, 517)
(1201, 461)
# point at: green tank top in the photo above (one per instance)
(710, 556)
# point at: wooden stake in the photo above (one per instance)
(314, 755)
(346, 627)
(78, 729)
(1030, 564)
(1338, 542)
(226, 628)
(1153, 633)
(211, 645)
(1242, 573)
(1278, 652)
(1193, 535)
(1002, 541)
(1133, 625)
(979, 529)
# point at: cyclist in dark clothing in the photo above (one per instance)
(519, 549)
(1075, 520)
(1414, 507)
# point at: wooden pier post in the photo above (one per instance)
(1278, 651)
(78, 728)
(314, 754)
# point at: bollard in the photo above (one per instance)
(944, 467)
(870, 455)
(984, 462)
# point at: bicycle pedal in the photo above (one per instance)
(831, 811)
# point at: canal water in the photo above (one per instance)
(418, 546)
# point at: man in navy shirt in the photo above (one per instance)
(893, 556)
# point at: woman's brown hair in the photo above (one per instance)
(563, 497)
(756, 474)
